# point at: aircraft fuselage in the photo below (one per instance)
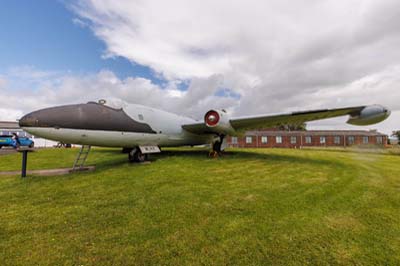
(100, 125)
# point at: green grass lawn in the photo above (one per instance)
(249, 207)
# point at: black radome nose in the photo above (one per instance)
(29, 120)
(90, 116)
(42, 118)
(45, 117)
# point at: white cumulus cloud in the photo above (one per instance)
(67, 89)
(273, 55)
(270, 52)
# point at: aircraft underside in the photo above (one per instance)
(119, 138)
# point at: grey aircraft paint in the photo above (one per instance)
(90, 116)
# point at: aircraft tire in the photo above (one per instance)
(131, 155)
(137, 156)
(140, 157)
(213, 154)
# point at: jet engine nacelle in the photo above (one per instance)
(218, 121)
(369, 115)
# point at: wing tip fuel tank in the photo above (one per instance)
(369, 115)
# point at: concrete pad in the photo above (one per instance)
(50, 172)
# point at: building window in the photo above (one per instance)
(336, 140)
(249, 140)
(278, 139)
(308, 139)
(365, 139)
(322, 140)
(234, 140)
(293, 139)
(379, 140)
(264, 139)
(350, 140)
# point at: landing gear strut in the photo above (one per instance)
(216, 147)
(135, 155)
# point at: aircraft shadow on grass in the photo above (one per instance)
(226, 156)
(360, 150)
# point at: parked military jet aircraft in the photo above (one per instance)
(143, 130)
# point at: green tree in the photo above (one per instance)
(294, 127)
(397, 135)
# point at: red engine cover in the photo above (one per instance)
(211, 118)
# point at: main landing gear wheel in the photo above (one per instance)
(135, 155)
(216, 148)
(213, 154)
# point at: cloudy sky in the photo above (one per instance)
(249, 57)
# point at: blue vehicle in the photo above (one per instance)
(7, 141)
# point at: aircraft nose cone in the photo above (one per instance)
(30, 120)
(49, 117)
(90, 116)
(42, 118)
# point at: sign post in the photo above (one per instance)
(24, 163)
(24, 160)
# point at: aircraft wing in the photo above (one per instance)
(360, 115)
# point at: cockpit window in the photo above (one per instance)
(140, 117)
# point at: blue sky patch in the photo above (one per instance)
(225, 92)
(42, 35)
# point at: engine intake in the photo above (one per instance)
(212, 118)
(218, 121)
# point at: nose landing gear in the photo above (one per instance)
(136, 155)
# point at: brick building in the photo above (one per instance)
(309, 138)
